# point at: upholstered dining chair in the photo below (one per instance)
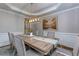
(20, 47)
(51, 34)
(45, 33)
(76, 47)
(11, 40)
(63, 50)
(39, 33)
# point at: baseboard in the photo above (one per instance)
(66, 47)
(5, 46)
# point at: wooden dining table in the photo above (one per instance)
(43, 47)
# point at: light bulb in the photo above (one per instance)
(29, 21)
(33, 20)
(38, 19)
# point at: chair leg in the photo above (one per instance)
(27, 47)
(78, 52)
(47, 54)
(50, 53)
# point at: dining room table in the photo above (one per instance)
(41, 44)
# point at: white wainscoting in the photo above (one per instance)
(4, 39)
(68, 39)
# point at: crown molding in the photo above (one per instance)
(10, 12)
(3, 10)
(25, 13)
(62, 11)
(33, 14)
(59, 12)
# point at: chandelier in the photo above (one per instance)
(33, 19)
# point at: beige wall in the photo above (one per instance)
(67, 21)
(11, 22)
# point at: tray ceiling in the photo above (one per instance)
(38, 8)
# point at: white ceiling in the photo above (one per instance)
(36, 7)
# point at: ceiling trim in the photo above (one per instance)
(73, 8)
(10, 12)
(23, 12)
(3, 10)
(62, 11)
(33, 14)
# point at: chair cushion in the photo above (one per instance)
(51, 34)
